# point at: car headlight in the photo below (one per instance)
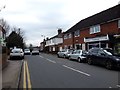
(118, 59)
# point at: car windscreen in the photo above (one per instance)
(17, 51)
(27, 50)
(108, 52)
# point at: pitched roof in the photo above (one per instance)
(102, 17)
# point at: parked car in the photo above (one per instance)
(104, 57)
(27, 52)
(35, 52)
(17, 53)
(79, 55)
(65, 53)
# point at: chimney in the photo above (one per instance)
(59, 31)
(47, 38)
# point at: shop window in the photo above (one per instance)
(118, 23)
(78, 47)
(95, 29)
(103, 45)
(117, 48)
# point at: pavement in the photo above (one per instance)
(10, 75)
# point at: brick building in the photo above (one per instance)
(100, 30)
(53, 44)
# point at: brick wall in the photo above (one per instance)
(106, 28)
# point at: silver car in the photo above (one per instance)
(17, 53)
(79, 55)
(35, 52)
(64, 53)
(27, 51)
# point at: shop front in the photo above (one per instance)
(117, 44)
(100, 42)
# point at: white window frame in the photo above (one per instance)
(70, 35)
(95, 29)
(118, 23)
(78, 31)
(65, 36)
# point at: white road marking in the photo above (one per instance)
(41, 56)
(51, 60)
(110, 87)
(118, 85)
(77, 70)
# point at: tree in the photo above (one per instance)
(5, 26)
(14, 40)
(20, 32)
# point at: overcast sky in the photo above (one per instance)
(44, 17)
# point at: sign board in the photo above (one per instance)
(102, 38)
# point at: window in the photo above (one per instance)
(77, 33)
(118, 23)
(69, 35)
(95, 29)
(65, 36)
(53, 40)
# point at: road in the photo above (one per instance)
(48, 71)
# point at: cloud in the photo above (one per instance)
(44, 17)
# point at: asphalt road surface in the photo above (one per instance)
(49, 71)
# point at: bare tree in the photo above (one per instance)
(5, 25)
(20, 32)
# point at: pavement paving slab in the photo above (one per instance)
(10, 74)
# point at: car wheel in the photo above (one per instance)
(109, 65)
(79, 60)
(69, 58)
(58, 56)
(89, 61)
(64, 56)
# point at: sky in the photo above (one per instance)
(40, 19)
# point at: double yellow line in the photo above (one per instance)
(26, 77)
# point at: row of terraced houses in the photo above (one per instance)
(100, 30)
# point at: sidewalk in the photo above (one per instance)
(11, 73)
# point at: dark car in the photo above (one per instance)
(104, 57)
